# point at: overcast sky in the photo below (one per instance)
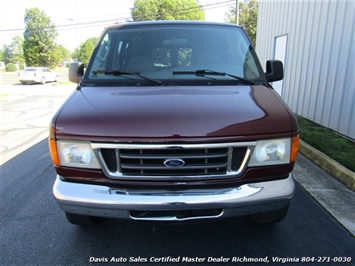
(78, 20)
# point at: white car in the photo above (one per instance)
(37, 75)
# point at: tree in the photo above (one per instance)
(84, 52)
(248, 17)
(63, 53)
(75, 54)
(4, 53)
(167, 10)
(40, 35)
(13, 53)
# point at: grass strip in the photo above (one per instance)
(328, 141)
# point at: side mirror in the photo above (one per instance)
(76, 72)
(274, 70)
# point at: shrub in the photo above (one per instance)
(10, 67)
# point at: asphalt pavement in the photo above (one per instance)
(336, 198)
(26, 112)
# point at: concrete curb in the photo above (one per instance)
(344, 175)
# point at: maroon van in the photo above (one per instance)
(174, 121)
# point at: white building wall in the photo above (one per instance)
(319, 81)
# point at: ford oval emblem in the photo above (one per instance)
(174, 163)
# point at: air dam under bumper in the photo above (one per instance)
(102, 201)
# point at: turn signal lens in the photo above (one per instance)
(294, 148)
(53, 151)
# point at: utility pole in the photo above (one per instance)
(236, 12)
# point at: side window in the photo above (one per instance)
(120, 55)
(249, 66)
(250, 69)
(101, 57)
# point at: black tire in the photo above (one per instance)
(82, 220)
(270, 217)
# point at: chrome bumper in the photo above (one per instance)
(103, 201)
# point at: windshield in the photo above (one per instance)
(173, 52)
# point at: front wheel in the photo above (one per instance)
(270, 217)
(83, 220)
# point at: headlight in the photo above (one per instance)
(271, 152)
(76, 154)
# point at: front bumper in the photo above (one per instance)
(103, 201)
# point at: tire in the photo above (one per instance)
(23, 82)
(270, 217)
(82, 220)
(43, 80)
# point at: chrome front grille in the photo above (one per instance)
(178, 162)
(182, 162)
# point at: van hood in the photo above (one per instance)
(173, 112)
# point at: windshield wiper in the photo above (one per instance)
(204, 72)
(116, 72)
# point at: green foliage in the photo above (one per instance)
(74, 55)
(10, 67)
(167, 10)
(3, 53)
(40, 35)
(2, 58)
(248, 17)
(63, 53)
(85, 50)
(13, 53)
